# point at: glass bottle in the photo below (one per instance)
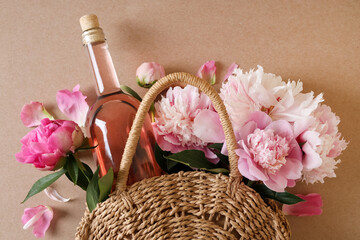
(109, 120)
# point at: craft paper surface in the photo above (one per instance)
(41, 53)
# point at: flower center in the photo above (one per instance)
(268, 149)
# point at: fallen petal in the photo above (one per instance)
(311, 206)
(54, 195)
(73, 105)
(38, 217)
(32, 114)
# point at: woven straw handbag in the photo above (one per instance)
(184, 205)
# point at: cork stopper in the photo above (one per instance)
(88, 22)
(92, 33)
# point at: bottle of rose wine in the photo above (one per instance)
(109, 120)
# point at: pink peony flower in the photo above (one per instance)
(73, 104)
(311, 206)
(46, 144)
(32, 113)
(230, 70)
(269, 152)
(208, 72)
(244, 93)
(185, 119)
(38, 217)
(148, 73)
(322, 144)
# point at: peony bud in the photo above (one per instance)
(148, 73)
(208, 72)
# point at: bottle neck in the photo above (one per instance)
(102, 65)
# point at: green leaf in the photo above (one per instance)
(170, 164)
(85, 148)
(213, 80)
(196, 159)
(167, 165)
(43, 183)
(60, 163)
(283, 197)
(85, 175)
(160, 159)
(223, 158)
(217, 146)
(131, 92)
(105, 185)
(92, 191)
(218, 170)
(73, 169)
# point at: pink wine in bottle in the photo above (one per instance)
(109, 120)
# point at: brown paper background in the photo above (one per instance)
(41, 52)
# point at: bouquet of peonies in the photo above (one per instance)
(284, 136)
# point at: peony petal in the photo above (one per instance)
(54, 195)
(261, 119)
(247, 168)
(208, 72)
(230, 70)
(207, 127)
(276, 182)
(282, 128)
(243, 165)
(32, 114)
(73, 105)
(311, 157)
(302, 125)
(292, 169)
(39, 218)
(247, 129)
(311, 206)
(60, 139)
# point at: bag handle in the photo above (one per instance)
(144, 107)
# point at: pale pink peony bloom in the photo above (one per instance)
(230, 70)
(185, 119)
(148, 73)
(269, 152)
(244, 93)
(311, 206)
(45, 145)
(73, 105)
(322, 144)
(208, 72)
(39, 218)
(32, 113)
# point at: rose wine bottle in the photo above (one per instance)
(109, 120)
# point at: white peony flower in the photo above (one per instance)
(244, 93)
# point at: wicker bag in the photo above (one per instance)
(184, 205)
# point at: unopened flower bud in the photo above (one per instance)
(148, 73)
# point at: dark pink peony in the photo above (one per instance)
(46, 144)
